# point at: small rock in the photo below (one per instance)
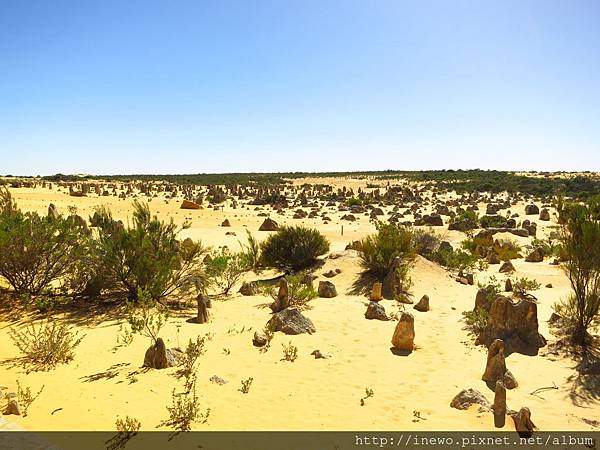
(260, 339)
(467, 397)
(249, 288)
(523, 423)
(291, 321)
(375, 311)
(327, 289)
(507, 267)
(13, 408)
(423, 304)
(218, 380)
(318, 355)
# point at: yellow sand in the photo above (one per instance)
(103, 383)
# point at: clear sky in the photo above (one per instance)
(124, 86)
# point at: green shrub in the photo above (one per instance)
(523, 286)
(492, 222)
(294, 248)
(476, 321)
(425, 242)
(299, 291)
(506, 249)
(147, 256)
(469, 215)
(455, 259)
(226, 269)
(144, 318)
(472, 243)
(250, 255)
(378, 250)
(185, 410)
(579, 236)
(35, 251)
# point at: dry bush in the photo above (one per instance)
(290, 352)
(245, 386)
(185, 410)
(47, 345)
(26, 397)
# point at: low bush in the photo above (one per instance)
(145, 318)
(226, 270)
(26, 397)
(147, 256)
(184, 410)
(507, 249)
(299, 291)
(250, 254)
(476, 321)
(492, 222)
(454, 259)
(379, 250)
(45, 346)
(290, 352)
(523, 286)
(425, 242)
(294, 248)
(36, 251)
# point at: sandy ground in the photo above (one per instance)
(412, 392)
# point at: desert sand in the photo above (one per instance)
(413, 392)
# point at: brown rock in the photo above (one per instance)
(499, 406)
(423, 304)
(376, 292)
(495, 368)
(13, 408)
(404, 334)
(269, 225)
(507, 267)
(523, 423)
(159, 357)
(282, 301)
(188, 204)
(514, 323)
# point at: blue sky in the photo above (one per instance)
(121, 87)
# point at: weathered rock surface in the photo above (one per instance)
(327, 289)
(376, 311)
(269, 225)
(404, 334)
(523, 423)
(260, 339)
(159, 357)
(516, 324)
(495, 368)
(376, 292)
(188, 204)
(291, 321)
(468, 397)
(423, 304)
(282, 301)
(249, 288)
